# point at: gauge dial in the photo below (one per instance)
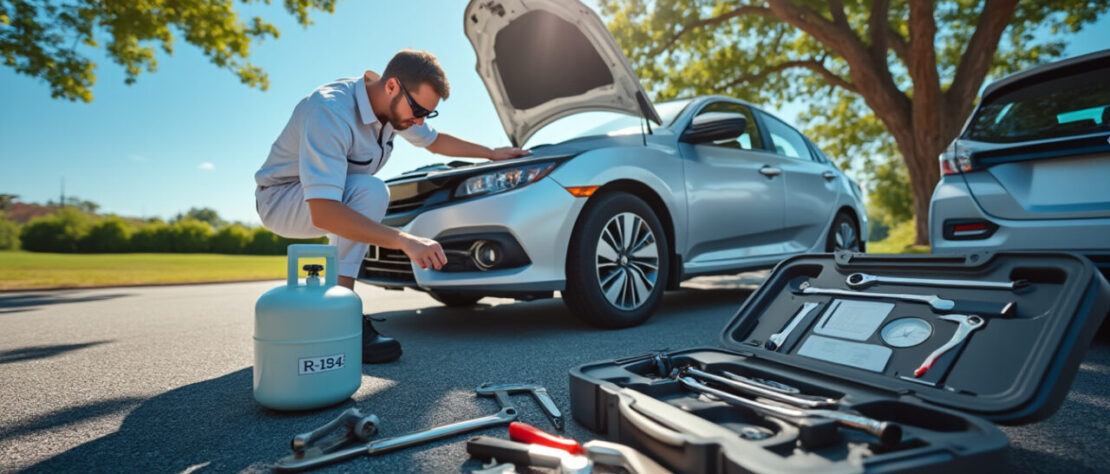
(906, 332)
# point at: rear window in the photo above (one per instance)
(1071, 105)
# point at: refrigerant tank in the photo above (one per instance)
(307, 337)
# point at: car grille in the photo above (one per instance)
(387, 264)
(405, 205)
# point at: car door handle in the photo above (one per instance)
(769, 171)
(828, 175)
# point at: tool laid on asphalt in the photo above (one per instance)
(533, 455)
(777, 339)
(934, 301)
(967, 324)
(864, 280)
(798, 400)
(502, 392)
(616, 454)
(888, 433)
(312, 449)
(526, 433)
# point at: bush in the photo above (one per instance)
(152, 237)
(190, 236)
(9, 233)
(233, 239)
(264, 242)
(57, 232)
(110, 235)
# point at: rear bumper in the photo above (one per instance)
(953, 201)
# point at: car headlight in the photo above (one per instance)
(503, 180)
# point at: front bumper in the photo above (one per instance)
(539, 216)
(953, 201)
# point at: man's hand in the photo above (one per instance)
(508, 152)
(426, 253)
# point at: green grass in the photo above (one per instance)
(30, 270)
(900, 240)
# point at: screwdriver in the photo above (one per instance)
(526, 433)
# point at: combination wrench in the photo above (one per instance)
(741, 384)
(777, 339)
(937, 303)
(889, 434)
(967, 324)
(864, 280)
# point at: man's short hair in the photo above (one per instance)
(413, 67)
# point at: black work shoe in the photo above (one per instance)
(376, 348)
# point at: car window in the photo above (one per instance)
(750, 140)
(786, 141)
(1071, 105)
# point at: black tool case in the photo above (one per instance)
(1015, 369)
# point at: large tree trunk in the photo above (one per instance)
(924, 172)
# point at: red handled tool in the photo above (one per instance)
(526, 433)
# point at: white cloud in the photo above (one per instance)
(206, 166)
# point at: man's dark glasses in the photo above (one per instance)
(417, 110)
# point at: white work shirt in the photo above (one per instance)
(333, 132)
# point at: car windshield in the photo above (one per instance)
(1070, 105)
(587, 124)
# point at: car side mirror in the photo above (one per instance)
(714, 127)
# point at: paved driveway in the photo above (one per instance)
(158, 379)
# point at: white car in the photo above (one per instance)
(629, 209)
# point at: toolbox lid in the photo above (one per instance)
(1013, 370)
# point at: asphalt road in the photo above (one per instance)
(159, 379)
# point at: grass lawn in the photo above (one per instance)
(900, 240)
(29, 270)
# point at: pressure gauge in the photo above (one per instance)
(906, 332)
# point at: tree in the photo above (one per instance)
(57, 232)
(876, 73)
(205, 214)
(6, 201)
(40, 38)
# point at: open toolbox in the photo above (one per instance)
(860, 363)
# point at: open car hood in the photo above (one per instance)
(545, 59)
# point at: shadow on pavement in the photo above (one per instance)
(69, 416)
(54, 297)
(42, 352)
(530, 318)
(205, 426)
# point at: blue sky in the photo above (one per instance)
(191, 135)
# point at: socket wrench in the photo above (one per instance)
(937, 303)
(864, 280)
(888, 433)
(800, 401)
(777, 339)
(312, 450)
(967, 324)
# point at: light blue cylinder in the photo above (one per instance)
(307, 338)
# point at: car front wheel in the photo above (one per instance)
(617, 262)
(843, 235)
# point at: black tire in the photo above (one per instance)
(844, 227)
(455, 299)
(626, 275)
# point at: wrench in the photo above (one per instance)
(966, 325)
(934, 301)
(864, 280)
(310, 453)
(800, 401)
(889, 433)
(776, 340)
(503, 391)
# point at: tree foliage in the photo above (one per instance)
(49, 39)
(9, 232)
(204, 214)
(57, 232)
(884, 80)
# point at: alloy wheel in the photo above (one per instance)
(845, 237)
(627, 261)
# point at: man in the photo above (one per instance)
(318, 179)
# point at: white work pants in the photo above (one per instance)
(284, 211)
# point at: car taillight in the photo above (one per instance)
(952, 163)
(968, 229)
